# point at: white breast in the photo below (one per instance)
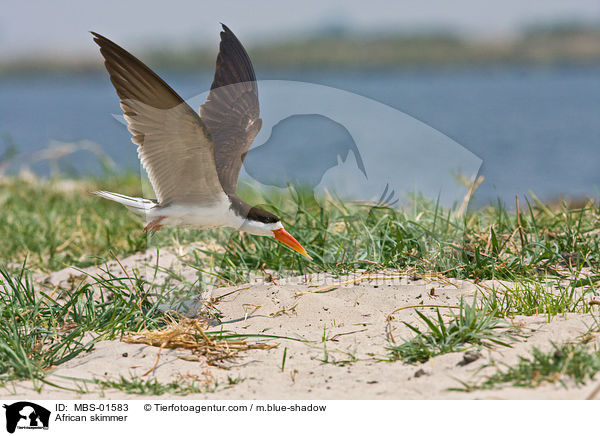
(206, 217)
(200, 217)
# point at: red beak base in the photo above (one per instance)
(290, 241)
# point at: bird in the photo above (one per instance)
(193, 160)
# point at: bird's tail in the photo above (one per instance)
(134, 204)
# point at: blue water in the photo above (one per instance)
(536, 129)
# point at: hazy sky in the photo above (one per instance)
(56, 27)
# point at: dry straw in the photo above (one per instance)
(190, 334)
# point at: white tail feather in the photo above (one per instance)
(134, 204)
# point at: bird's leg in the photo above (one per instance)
(154, 225)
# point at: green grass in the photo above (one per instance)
(485, 244)
(47, 226)
(332, 357)
(568, 362)
(152, 386)
(551, 296)
(38, 332)
(59, 223)
(53, 227)
(469, 328)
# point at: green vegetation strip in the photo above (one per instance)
(39, 332)
(52, 226)
(550, 255)
(469, 328)
(568, 362)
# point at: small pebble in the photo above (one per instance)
(469, 357)
(420, 373)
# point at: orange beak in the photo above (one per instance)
(287, 239)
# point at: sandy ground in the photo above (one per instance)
(342, 355)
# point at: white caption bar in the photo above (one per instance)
(160, 417)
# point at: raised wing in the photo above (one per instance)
(231, 112)
(174, 145)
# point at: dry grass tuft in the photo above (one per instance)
(190, 334)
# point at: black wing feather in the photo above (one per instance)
(231, 112)
(132, 79)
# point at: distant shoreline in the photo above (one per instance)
(277, 73)
(544, 48)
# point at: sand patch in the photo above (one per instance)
(337, 346)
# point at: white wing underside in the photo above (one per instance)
(177, 153)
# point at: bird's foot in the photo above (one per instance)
(154, 225)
